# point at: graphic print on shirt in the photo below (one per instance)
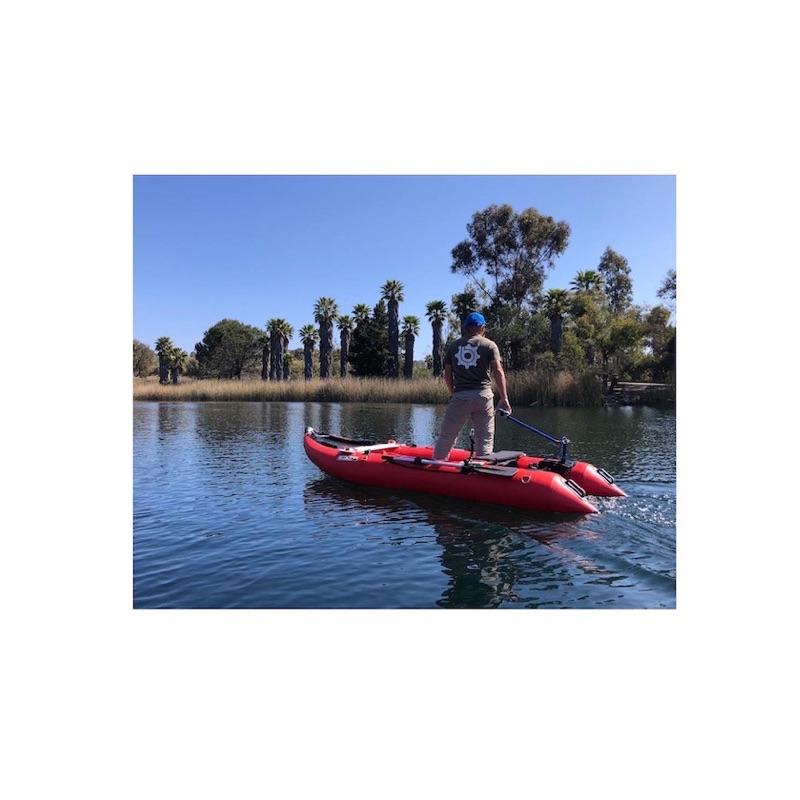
(467, 355)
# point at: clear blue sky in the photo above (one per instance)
(255, 247)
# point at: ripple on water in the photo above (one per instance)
(228, 512)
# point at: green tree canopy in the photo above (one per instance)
(507, 254)
(506, 257)
(617, 278)
(145, 360)
(228, 349)
(619, 340)
(659, 338)
(669, 286)
(369, 344)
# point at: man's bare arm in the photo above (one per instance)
(448, 378)
(500, 377)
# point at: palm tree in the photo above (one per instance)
(177, 363)
(361, 312)
(436, 312)
(587, 280)
(410, 331)
(309, 337)
(275, 330)
(164, 347)
(392, 293)
(463, 303)
(556, 304)
(286, 332)
(288, 360)
(325, 313)
(265, 358)
(345, 324)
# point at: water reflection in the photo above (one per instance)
(169, 419)
(490, 556)
(228, 511)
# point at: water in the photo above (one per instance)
(229, 513)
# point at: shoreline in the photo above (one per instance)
(561, 389)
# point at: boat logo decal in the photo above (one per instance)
(467, 355)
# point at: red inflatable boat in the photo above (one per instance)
(507, 478)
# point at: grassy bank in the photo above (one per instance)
(545, 388)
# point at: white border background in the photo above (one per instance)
(101, 701)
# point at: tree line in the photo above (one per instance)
(591, 325)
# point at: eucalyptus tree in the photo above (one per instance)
(325, 313)
(392, 293)
(617, 280)
(506, 258)
(507, 254)
(556, 305)
(345, 323)
(618, 338)
(309, 337)
(177, 363)
(286, 332)
(409, 332)
(436, 312)
(669, 286)
(164, 347)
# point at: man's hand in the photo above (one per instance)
(504, 405)
(500, 377)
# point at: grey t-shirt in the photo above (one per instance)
(471, 360)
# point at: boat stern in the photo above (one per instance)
(595, 480)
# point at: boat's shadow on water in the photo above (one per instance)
(491, 555)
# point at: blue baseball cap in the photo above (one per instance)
(475, 318)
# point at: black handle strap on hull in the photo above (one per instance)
(463, 469)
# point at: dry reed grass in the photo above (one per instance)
(524, 388)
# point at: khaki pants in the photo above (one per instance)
(475, 405)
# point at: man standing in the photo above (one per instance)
(469, 364)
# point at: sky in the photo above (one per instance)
(255, 247)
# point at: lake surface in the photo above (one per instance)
(229, 513)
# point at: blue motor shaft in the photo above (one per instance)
(563, 441)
